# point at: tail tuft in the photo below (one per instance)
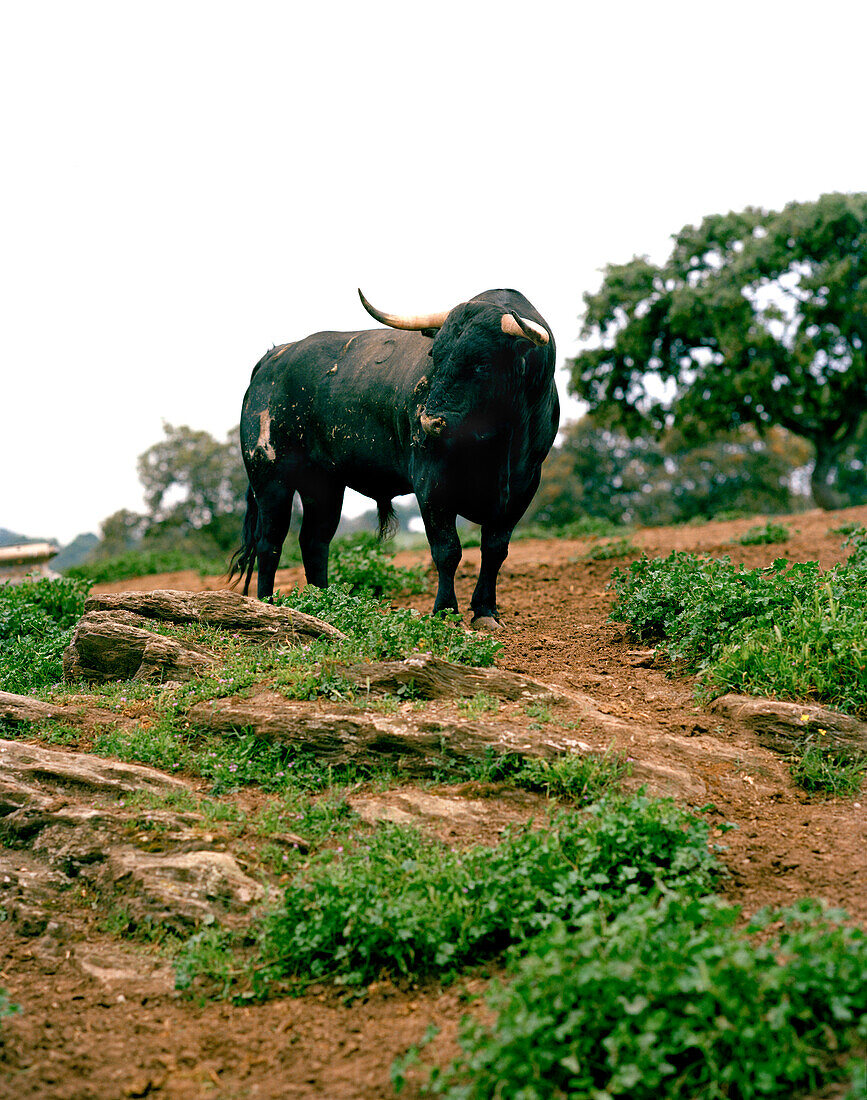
(245, 558)
(387, 519)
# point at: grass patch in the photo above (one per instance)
(143, 563)
(827, 769)
(477, 705)
(579, 778)
(668, 1000)
(229, 760)
(584, 527)
(36, 621)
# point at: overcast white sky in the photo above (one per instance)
(187, 183)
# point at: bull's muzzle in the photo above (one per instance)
(432, 425)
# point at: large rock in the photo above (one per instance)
(781, 726)
(114, 640)
(114, 645)
(228, 610)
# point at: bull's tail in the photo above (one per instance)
(245, 558)
(387, 519)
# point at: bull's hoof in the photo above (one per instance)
(486, 622)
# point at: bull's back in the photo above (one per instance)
(337, 401)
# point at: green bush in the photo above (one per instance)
(789, 631)
(381, 633)
(364, 565)
(670, 1001)
(763, 535)
(405, 905)
(36, 621)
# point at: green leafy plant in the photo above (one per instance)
(788, 630)
(405, 905)
(764, 534)
(364, 564)
(669, 1000)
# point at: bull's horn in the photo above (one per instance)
(513, 325)
(395, 320)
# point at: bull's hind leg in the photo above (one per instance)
(321, 517)
(275, 511)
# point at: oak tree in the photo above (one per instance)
(758, 317)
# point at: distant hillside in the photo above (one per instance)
(76, 552)
(12, 538)
(73, 554)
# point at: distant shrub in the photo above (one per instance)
(765, 534)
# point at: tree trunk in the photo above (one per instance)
(825, 496)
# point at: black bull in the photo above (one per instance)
(459, 408)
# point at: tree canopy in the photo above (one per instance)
(758, 317)
(599, 471)
(194, 488)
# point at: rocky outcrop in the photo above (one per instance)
(114, 640)
(431, 677)
(66, 820)
(243, 615)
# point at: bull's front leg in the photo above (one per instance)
(445, 548)
(495, 549)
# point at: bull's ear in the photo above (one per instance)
(430, 332)
(513, 325)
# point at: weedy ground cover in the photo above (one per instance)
(579, 778)
(830, 769)
(790, 630)
(362, 563)
(669, 1000)
(401, 903)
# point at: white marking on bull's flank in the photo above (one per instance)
(264, 440)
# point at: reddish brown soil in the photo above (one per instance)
(81, 1036)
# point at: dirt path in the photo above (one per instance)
(100, 1019)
